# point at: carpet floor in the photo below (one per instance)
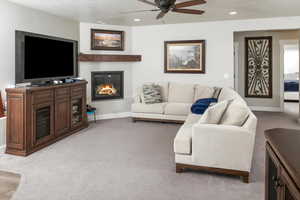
(120, 160)
(9, 183)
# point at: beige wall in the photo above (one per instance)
(108, 107)
(239, 37)
(14, 17)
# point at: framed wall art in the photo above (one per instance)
(259, 65)
(185, 56)
(107, 40)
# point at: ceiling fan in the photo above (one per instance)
(164, 6)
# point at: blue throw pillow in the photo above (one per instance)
(200, 106)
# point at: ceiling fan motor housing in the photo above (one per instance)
(165, 5)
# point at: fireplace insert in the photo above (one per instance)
(107, 85)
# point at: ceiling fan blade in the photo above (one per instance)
(161, 15)
(138, 11)
(190, 3)
(188, 11)
(148, 2)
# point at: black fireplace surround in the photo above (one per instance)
(107, 85)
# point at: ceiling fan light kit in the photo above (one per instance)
(165, 6)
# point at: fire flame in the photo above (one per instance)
(106, 89)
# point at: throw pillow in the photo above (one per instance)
(236, 114)
(214, 114)
(200, 106)
(151, 94)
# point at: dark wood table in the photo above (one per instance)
(282, 164)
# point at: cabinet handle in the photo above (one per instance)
(278, 183)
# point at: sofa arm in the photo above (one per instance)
(222, 146)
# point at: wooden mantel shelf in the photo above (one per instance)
(109, 58)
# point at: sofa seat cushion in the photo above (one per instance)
(181, 93)
(177, 108)
(192, 119)
(157, 108)
(183, 139)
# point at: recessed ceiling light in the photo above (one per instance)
(137, 20)
(233, 13)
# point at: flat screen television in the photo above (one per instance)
(41, 58)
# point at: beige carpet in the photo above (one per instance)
(9, 183)
(120, 160)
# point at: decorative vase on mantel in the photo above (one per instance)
(1, 107)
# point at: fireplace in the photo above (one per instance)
(107, 85)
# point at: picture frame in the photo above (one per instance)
(108, 40)
(185, 56)
(259, 67)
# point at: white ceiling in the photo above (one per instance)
(110, 11)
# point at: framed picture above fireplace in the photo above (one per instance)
(107, 40)
(107, 85)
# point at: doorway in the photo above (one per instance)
(290, 73)
(284, 42)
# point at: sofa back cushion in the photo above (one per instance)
(203, 92)
(181, 93)
(227, 94)
(217, 91)
(251, 123)
(164, 90)
(213, 114)
(230, 94)
(236, 113)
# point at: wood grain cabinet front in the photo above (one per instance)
(40, 116)
(42, 123)
(62, 111)
(15, 136)
(282, 164)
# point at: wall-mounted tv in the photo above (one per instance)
(43, 58)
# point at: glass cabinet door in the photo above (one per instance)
(42, 123)
(77, 112)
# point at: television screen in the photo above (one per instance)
(40, 58)
(48, 58)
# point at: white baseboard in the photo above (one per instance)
(2, 149)
(266, 109)
(112, 116)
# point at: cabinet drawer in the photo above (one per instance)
(62, 93)
(77, 91)
(42, 96)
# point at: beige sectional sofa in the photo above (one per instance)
(177, 101)
(214, 147)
